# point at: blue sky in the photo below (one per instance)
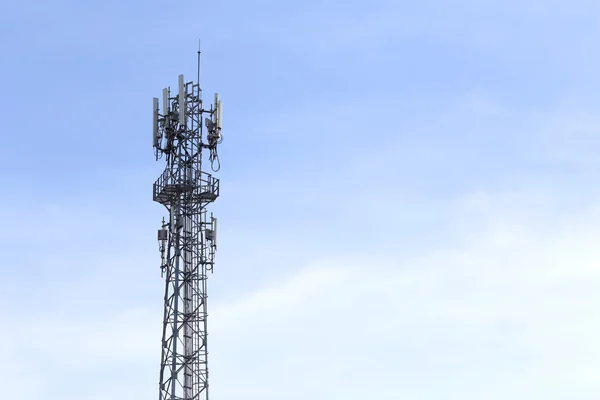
(409, 206)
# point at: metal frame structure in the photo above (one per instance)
(188, 239)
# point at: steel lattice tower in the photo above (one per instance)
(187, 240)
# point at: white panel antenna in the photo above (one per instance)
(166, 95)
(218, 112)
(214, 223)
(220, 116)
(182, 105)
(215, 115)
(155, 134)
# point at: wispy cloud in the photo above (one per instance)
(515, 301)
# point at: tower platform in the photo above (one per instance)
(170, 187)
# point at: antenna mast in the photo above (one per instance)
(188, 238)
(199, 54)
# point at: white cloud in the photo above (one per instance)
(511, 311)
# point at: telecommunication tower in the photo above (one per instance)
(183, 131)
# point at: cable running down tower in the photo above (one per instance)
(183, 131)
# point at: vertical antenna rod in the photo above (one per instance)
(199, 53)
(187, 241)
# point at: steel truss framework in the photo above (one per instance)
(188, 239)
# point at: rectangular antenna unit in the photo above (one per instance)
(165, 109)
(182, 119)
(216, 110)
(220, 116)
(214, 226)
(155, 133)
